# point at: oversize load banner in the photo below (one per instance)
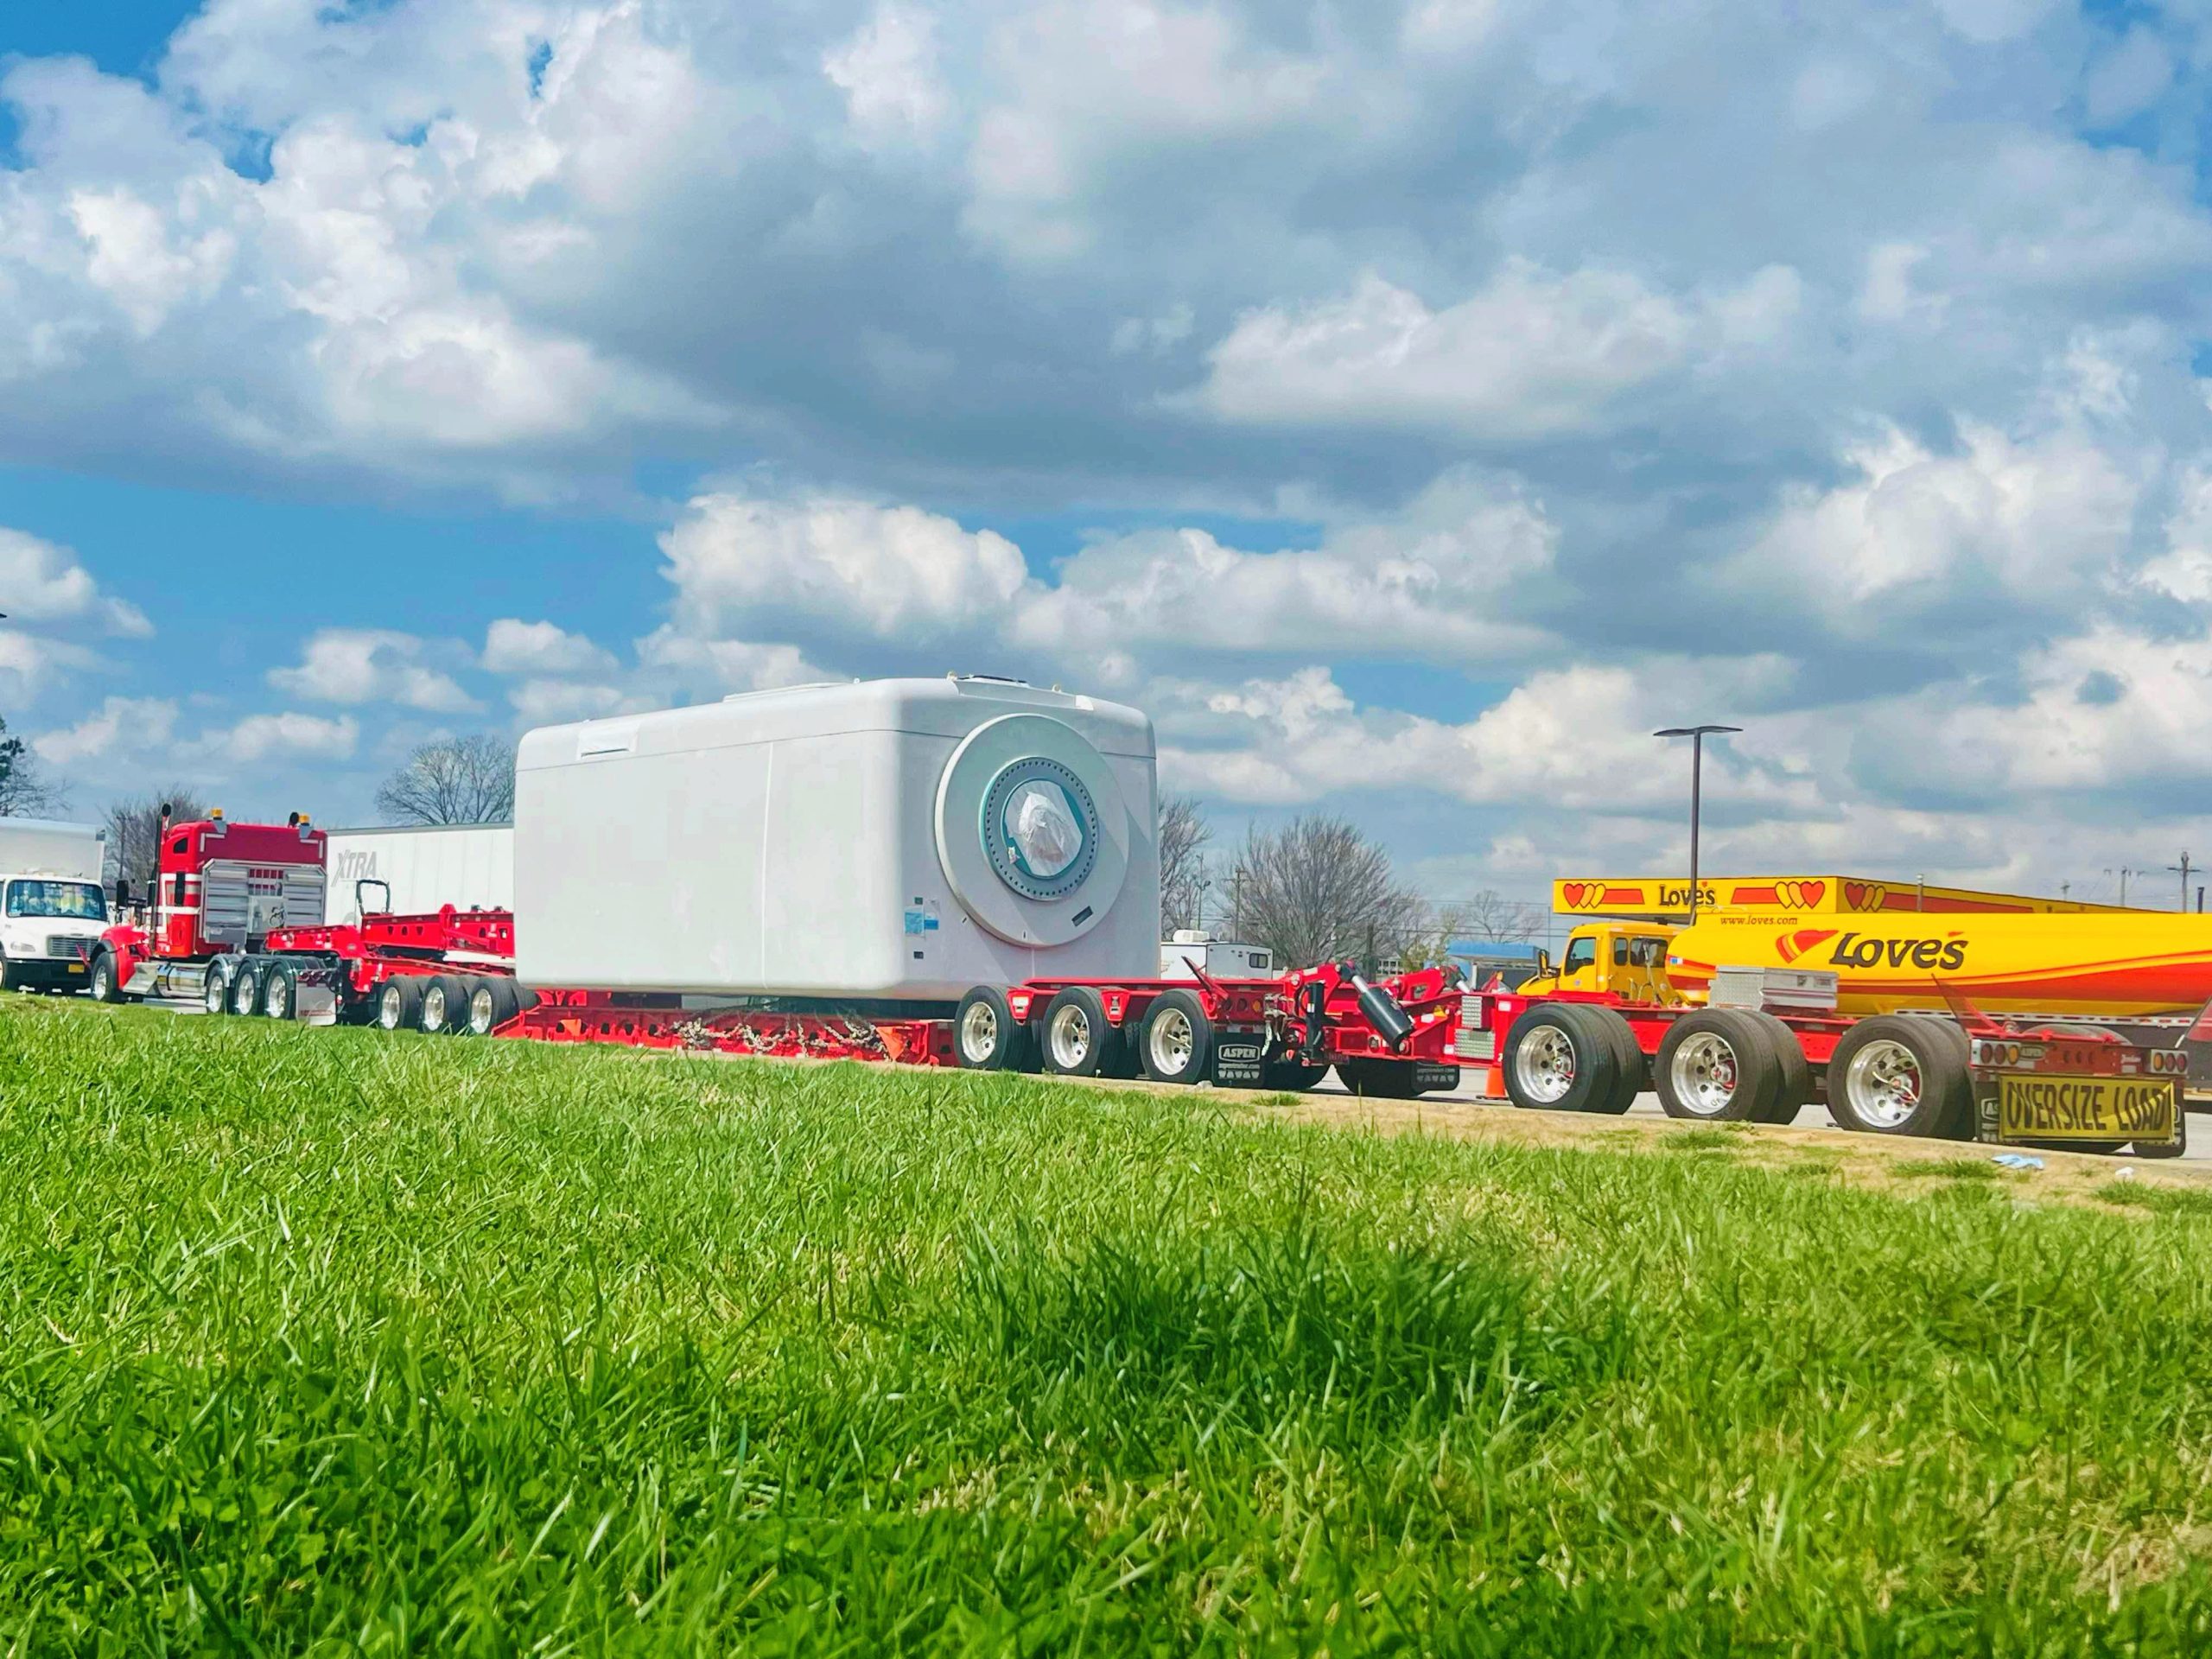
(1848, 895)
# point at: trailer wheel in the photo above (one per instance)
(1796, 1092)
(1632, 1075)
(491, 1003)
(1895, 1074)
(444, 1010)
(1291, 1076)
(398, 1005)
(246, 989)
(1717, 1066)
(986, 1037)
(1564, 1056)
(1076, 1039)
(280, 990)
(1175, 1039)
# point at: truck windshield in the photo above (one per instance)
(77, 901)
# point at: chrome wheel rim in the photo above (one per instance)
(1071, 1036)
(979, 1032)
(1173, 1042)
(242, 993)
(1545, 1065)
(1704, 1074)
(1883, 1083)
(272, 996)
(433, 1008)
(212, 994)
(391, 1009)
(479, 1012)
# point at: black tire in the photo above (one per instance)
(1796, 1092)
(105, 983)
(491, 1003)
(1567, 1057)
(280, 991)
(1924, 1056)
(1075, 1038)
(1634, 1077)
(986, 1037)
(215, 989)
(1175, 1039)
(2179, 1144)
(397, 1004)
(1717, 1066)
(1291, 1077)
(246, 989)
(443, 1011)
(11, 976)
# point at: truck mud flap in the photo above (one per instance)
(1236, 1062)
(1429, 1076)
(316, 1003)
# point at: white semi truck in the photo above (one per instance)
(52, 909)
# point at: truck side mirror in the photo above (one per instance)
(122, 890)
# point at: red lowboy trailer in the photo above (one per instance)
(451, 972)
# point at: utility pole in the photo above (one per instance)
(2184, 867)
(1697, 734)
(2123, 873)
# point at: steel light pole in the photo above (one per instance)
(1697, 734)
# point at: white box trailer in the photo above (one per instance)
(52, 907)
(471, 867)
(892, 839)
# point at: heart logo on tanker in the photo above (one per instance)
(1794, 945)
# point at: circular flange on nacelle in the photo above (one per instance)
(1032, 829)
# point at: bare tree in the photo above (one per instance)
(1490, 915)
(134, 833)
(1184, 833)
(454, 780)
(1317, 890)
(25, 792)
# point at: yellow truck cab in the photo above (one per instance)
(1628, 959)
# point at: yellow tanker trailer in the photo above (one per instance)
(2117, 965)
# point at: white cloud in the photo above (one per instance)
(123, 726)
(1534, 352)
(2002, 522)
(888, 71)
(44, 583)
(843, 564)
(282, 736)
(1443, 580)
(513, 647)
(370, 665)
(2127, 80)
(1092, 85)
(34, 664)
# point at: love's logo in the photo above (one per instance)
(1794, 945)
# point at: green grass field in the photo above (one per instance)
(319, 1341)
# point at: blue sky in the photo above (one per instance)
(1410, 406)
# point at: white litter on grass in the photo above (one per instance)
(2126, 1172)
(2017, 1160)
